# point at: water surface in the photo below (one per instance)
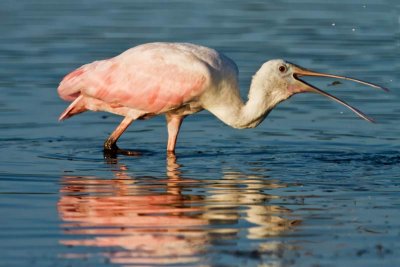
(312, 186)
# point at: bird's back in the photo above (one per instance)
(153, 78)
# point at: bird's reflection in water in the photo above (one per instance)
(168, 220)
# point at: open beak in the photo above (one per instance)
(306, 87)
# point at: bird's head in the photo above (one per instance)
(285, 80)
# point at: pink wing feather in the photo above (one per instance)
(148, 79)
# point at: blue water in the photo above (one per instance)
(314, 185)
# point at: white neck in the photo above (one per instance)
(231, 109)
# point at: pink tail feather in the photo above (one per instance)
(76, 107)
(70, 87)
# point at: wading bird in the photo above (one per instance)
(179, 79)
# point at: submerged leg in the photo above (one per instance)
(173, 124)
(110, 143)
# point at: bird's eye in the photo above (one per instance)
(282, 68)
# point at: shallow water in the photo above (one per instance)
(312, 186)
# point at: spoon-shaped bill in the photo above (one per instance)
(305, 72)
(306, 87)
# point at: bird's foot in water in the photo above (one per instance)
(111, 150)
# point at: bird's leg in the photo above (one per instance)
(111, 143)
(173, 124)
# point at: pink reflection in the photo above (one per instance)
(149, 227)
(150, 221)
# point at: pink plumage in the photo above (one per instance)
(152, 78)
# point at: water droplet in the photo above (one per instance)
(354, 29)
(333, 24)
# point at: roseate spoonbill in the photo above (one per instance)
(179, 79)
